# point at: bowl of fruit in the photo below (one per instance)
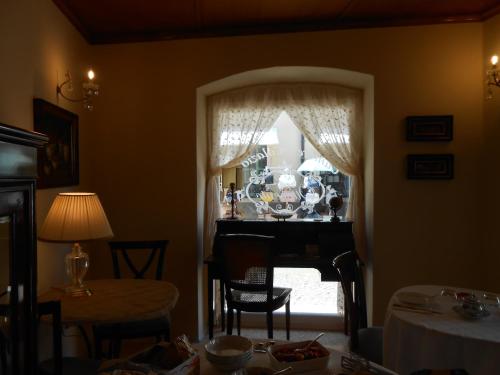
(300, 356)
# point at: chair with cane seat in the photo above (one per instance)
(248, 277)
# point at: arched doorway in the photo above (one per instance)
(273, 75)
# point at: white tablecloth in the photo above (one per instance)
(414, 341)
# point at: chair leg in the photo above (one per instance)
(117, 346)
(346, 310)
(109, 354)
(287, 320)
(270, 324)
(229, 321)
(86, 339)
(222, 311)
(238, 321)
(3, 354)
(166, 335)
(346, 321)
(97, 345)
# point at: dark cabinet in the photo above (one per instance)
(18, 344)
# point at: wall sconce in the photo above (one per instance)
(493, 75)
(89, 88)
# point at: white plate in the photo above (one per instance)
(415, 298)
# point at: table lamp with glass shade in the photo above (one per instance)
(76, 217)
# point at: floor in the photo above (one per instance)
(309, 293)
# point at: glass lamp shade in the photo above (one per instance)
(76, 217)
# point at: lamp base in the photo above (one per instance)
(77, 291)
(77, 265)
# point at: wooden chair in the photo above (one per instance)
(59, 365)
(158, 328)
(364, 341)
(248, 277)
(341, 242)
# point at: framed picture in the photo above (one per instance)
(429, 128)
(430, 167)
(58, 159)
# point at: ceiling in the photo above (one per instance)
(118, 21)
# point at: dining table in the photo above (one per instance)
(114, 301)
(262, 360)
(436, 334)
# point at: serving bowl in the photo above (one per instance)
(284, 355)
(229, 353)
(284, 215)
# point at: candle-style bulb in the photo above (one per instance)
(494, 60)
(91, 74)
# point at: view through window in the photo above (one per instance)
(286, 175)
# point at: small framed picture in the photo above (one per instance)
(429, 128)
(58, 159)
(430, 167)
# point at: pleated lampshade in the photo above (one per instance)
(75, 217)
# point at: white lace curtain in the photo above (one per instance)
(237, 120)
(330, 117)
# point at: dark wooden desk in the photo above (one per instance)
(301, 244)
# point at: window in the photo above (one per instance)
(284, 173)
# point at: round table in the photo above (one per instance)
(116, 301)
(442, 340)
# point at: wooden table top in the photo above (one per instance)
(116, 301)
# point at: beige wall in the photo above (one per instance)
(491, 162)
(144, 162)
(37, 46)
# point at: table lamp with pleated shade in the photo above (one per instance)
(76, 217)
